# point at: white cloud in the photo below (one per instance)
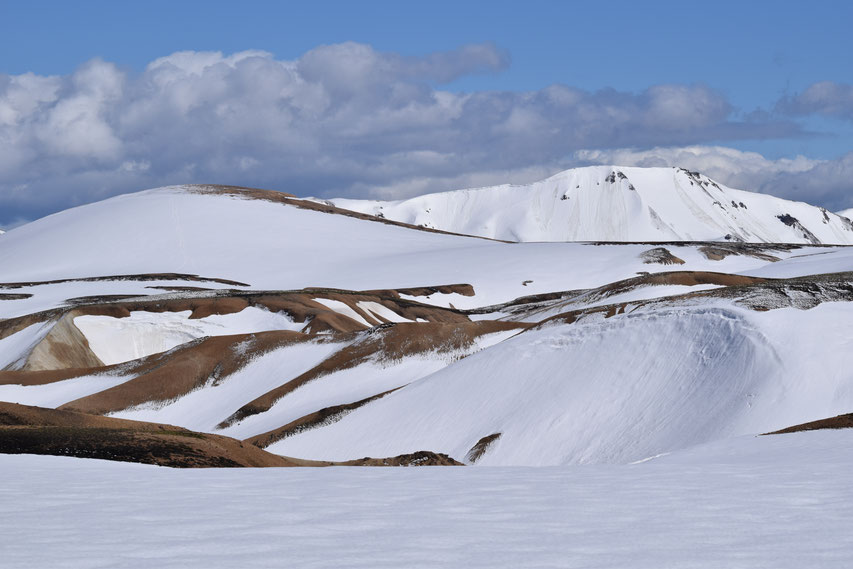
(342, 119)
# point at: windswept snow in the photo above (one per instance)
(117, 340)
(783, 502)
(612, 203)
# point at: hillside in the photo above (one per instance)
(612, 203)
(324, 334)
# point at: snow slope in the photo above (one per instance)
(613, 203)
(613, 390)
(275, 246)
(783, 502)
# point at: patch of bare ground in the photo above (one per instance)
(838, 422)
(462, 289)
(12, 296)
(35, 430)
(385, 343)
(321, 418)
(720, 252)
(322, 207)
(178, 288)
(419, 458)
(478, 450)
(162, 378)
(44, 377)
(660, 256)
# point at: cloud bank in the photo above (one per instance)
(341, 120)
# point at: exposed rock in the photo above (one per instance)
(479, 449)
(660, 256)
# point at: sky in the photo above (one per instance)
(388, 100)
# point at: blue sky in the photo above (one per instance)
(749, 69)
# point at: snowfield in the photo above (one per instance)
(753, 502)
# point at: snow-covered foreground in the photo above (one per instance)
(782, 501)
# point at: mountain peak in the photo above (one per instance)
(617, 203)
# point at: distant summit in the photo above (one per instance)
(614, 203)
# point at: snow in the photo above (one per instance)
(332, 251)
(613, 203)
(612, 390)
(204, 408)
(343, 308)
(782, 502)
(15, 347)
(376, 309)
(118, 340)
(60, 392)
(47, 296)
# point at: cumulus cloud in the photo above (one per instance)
(824, 98)
(342, 119)
(823, 182)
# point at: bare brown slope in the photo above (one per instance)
(35, 430)
(388, 342)
(172, 374)
(838, 422)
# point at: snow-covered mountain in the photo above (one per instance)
(613, 203)
(320, 333)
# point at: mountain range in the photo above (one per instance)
(605, 315)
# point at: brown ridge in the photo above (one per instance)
(479, 449)
(26, 429)
(838, 422)
(36, 430)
